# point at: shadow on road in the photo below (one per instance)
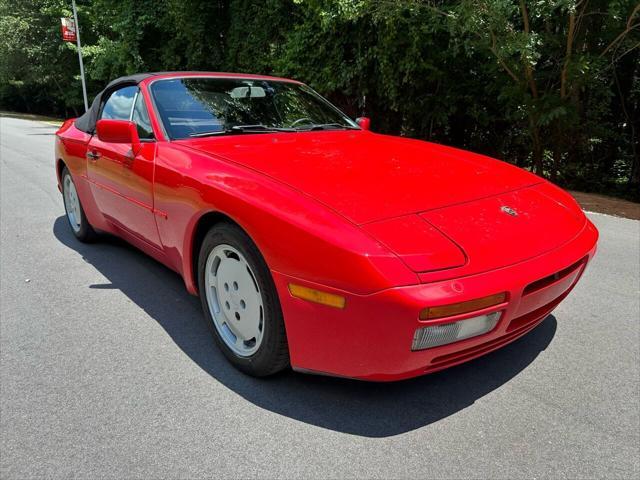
(358, 408)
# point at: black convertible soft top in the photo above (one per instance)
(87, 121)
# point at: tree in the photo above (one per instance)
(561, 58)
(549, 85)
(34, 62)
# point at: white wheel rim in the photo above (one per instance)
(71, 203)
(234, 300)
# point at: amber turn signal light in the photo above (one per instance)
(431, 313)
(317, 296)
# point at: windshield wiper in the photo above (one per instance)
(326, 126)
(262, 128)
(258, 128)
(207, 134)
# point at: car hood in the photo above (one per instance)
(483, 234)
(367, 177)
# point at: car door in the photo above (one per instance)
(122, 183)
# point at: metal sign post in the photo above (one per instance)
(84, 85)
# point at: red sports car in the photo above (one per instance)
(311, 241)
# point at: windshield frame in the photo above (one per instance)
(353, 125)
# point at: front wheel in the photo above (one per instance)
(240, 303)
(75, 214)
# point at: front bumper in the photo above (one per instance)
(371, 337)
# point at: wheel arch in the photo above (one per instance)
(203, 224)
(60, 165)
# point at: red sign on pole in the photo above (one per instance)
(68, 29)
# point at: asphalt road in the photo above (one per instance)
(107, 370)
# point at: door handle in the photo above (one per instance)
(93, 155)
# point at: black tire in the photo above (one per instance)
(272, 355)
(85, 232)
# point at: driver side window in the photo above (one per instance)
(118, 105)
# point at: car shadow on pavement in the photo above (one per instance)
(348, 406)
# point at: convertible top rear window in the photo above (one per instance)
(210, 105)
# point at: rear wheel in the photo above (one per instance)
(240, 303)
(75, 214)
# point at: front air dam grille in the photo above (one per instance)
(553, 278)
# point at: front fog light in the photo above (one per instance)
(437, 335)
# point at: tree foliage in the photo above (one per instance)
(551, 85)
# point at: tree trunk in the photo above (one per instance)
(560, 146)
(557, 160)
(536, 146)
(634, 178)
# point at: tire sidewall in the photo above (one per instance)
(261, 363)
(85, 231)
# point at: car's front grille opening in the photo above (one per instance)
(531, 317)
(546, 281)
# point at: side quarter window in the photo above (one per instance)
(141, 118)
(119, 104)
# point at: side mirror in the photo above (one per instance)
(118, 131)
(364, 123)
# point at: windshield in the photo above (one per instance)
(198, 107)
